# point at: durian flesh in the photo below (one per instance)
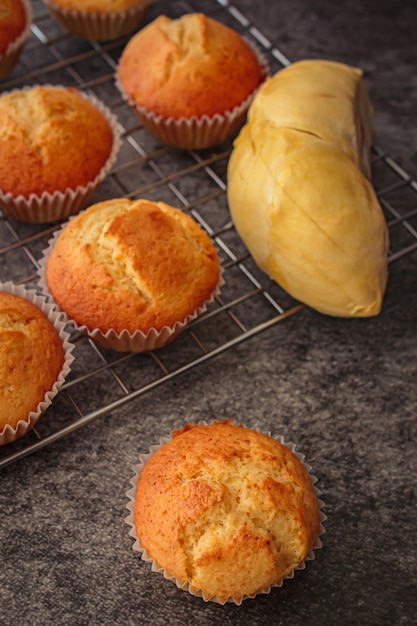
(299, 191)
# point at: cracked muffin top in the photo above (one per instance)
(190, 66)
(227, 509)
(51, 139)
(131, 265)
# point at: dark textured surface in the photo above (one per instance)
(344, 391)
(378, 36)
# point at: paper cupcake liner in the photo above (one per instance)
(99, 26)
(12, 54)
(131, 493)
(196, 133)
(9, 433)
(124, 341)
(51, 207)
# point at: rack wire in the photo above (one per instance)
(101, 380)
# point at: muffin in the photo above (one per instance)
(131, 274)
(15, 22)
(98, 19)
(35, 357)
(189, 80)
(224, 511)
(56, 145)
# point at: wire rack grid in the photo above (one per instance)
(249, 303)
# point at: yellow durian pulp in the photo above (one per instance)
(299, 193)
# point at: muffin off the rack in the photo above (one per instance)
(224, 511)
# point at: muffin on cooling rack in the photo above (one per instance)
(56, 146)
(224, 511)
(15, 22)
(189, 80)
(131, 274)
(98, 20)
(35, 358)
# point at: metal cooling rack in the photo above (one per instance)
(249, 303)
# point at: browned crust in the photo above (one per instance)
(12, 22)
(132, 265)
(226, 508)
(31, 358)
(190, 66)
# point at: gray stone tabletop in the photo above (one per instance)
(344, 391)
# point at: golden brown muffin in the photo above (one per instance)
(51, 139)
(15, 20)
(227, 509)
(12, 22)
(31, 358)
(190, 67)
(131, 265)
(101, 6)
(98, 19)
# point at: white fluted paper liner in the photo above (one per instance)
(196, 133)
(10, 434)
(131, 494)
(12, 54)
(51, 207)
(124, 341)
(99, 26)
